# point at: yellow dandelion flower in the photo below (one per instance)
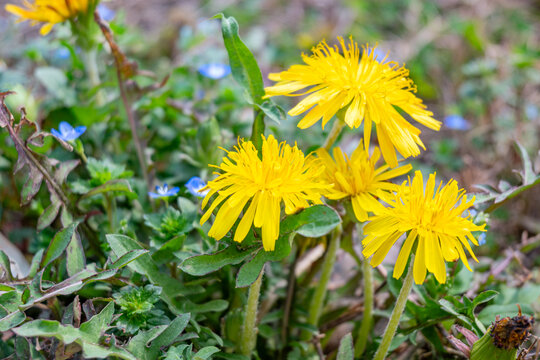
(435, 220)
(282, 175)
(358, 178)
(373, 89)
(50, 12)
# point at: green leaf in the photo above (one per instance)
(146, 345)
(5, 264)
(97, 325)
(69, 334)
(528, 174)
(167, 250)
(206, 353)
(244, 67)
(48, 216)
(58, 244)
(172, 288)
(127, 258)
(204, 264)
(76, 260)
(315, 221)
(64, 169)
(483, 297)
(249, 272)
(217, 305)
(48, 328)
(346, 351)
(11, 320)
(121, 185)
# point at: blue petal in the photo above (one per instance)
(57, 134)
(194, 185)
(79, 130)
(105, 13)
(62, 54)
(154, 195)
(65, 127)
(456, 122)
(214, 70)
(482, 239)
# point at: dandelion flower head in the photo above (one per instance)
(371, 89)
(436, 222)
(50, 12)
(259, 186)
(358, 178)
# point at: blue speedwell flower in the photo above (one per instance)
(105, 13)
(482, 239)
(67, 132)
(163, 192)
(214, 70)
(456, 122)
(194, 185)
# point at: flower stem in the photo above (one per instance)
(92, 71)
(396, 314)
(367, 320)
(317, 301)
(339, 124)
(250, 330)
(257, 131)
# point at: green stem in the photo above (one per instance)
(257, 131)
(316, 306)
(396, 314)
(250, 330)
(92, 71)
(339, 124)
(367, 319)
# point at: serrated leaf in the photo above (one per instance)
(346, 350)
(204, 264)
(58, 244)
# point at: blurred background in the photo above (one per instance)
(476, 64)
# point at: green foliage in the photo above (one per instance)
(138, 310)
(100, 270)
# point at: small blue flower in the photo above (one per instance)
(482, 239)
(67, 132)
(163, 192)
(105, 13)
(194, 185)
(62, 54)
(456, 122)
(378, 54)
(214, 70)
